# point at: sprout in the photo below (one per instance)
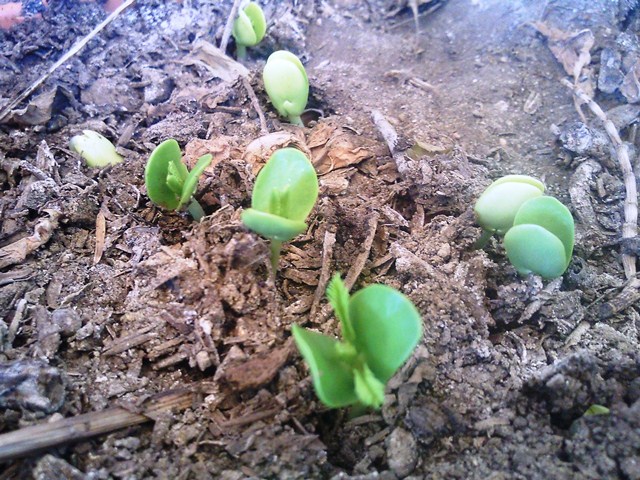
(287, 85)
(285, 191)
(169, 183)
(380, 328)
(541, 239)
(96, 150)
(249, 28)
(499, 203)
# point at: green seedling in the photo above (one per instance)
(596, 409)
(169, 182)
(541, 239)
(249, 28)
(96, 150)
(380, 328)
(497, 206)
(285, 191)
(287, 85)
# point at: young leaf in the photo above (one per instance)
(387, 327)
(369, 389)
(191, 181)
(332, 378)
(157, 171)
(542, 238)
(497, 206)
(338, 297)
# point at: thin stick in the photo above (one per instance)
(226, 33)
(360, 261)
(29, 440)
(256, 105)
(630, 225)
(391, 138)
(74, 50)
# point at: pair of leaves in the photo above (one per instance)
(380, 328)
(287, 85)
(542, 237)
(169, 182)
(284, 194)
(250, 26)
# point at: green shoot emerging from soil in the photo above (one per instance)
(541, 239)
(287, 85)
(285, 191)
(96, 150)
(380, 329)
(169, 182)
(497, 206)
(249, 28)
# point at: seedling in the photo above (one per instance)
(596, 409)
(287, 85)
(380, 328)
(249, 28)
(285, 191)
(96, 150)
(541, 239)
(169, 182)
(497, 206)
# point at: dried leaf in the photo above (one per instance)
(333, 148)
(571, 49)
(219, 64)
(18, 251)
(258, 152)
(258, 370)
(220, 147)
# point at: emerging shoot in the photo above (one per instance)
(497, 206)
(287, 85)
(285, 192)
(380, 328)
(541, 239)
(169, 182)
(249, 28)
(96, 150)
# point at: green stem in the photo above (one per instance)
(275, 248)
(483, 240)
(241, 51)
(296, 120)
(196, 210)
(357, 410)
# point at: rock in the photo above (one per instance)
(36, 195)
(402, 452)
(67, 320)
(48, 333)
(54, 468)
(158, 86)
(32, 385)
(610, 76)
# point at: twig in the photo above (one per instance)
(356, 269)
(630, 225)
(256, 105)
(391, 138)
(74, 50)
(325, 271)
(29, 440)
(226, 33)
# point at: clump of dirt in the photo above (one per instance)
(112, 306)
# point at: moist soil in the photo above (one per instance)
(107, 300)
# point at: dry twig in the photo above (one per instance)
(256, 105)
(226, 34)
(29, 440)
(73, 51)
(630, 225)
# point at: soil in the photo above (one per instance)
(107, 300)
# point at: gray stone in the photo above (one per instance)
(402, 452)
(610, 76)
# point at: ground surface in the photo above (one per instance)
(507, 367)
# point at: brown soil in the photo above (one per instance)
(507, 367)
